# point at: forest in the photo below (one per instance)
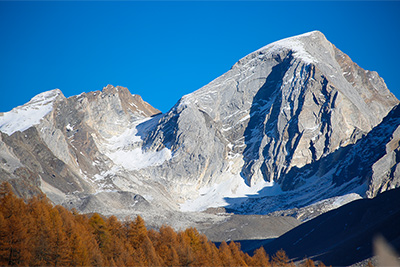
(36, 233)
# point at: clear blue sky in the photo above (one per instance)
(164, 50)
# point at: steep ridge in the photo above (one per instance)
(62, 145)
(239, 141)
(373, 160)
(364, 169)
(85, 152)
(286, 105)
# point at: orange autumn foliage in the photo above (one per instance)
(37, 233)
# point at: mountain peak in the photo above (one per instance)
(29, 114)
(297, 44)
(273, 111)
(113, 89)
(47, 96)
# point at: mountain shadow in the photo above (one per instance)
(257, 117)
(344, 236)
(344, 170)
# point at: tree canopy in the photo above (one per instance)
(37, 233)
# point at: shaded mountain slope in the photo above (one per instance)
(370, 166)
(344, 236)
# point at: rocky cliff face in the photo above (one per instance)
(248, 140)
(366, 168)
(59, 142)
(286, 105)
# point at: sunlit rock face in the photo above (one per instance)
(288, 104)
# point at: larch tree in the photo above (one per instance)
(41, 233)
(280, 259)
(261, 258)
(100, 231)
(237, 254)
(137, 232)
(59, 242)
(38, 234)
(225, 255)
(14, 245)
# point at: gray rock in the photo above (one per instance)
(286, 105)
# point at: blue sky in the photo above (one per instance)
(164, 50)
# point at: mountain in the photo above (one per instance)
(344, 236)
(270, 136)
(366, 168)
(284, 106)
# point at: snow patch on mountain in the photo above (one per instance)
(293, 43)
(126, 149)
(234, 189)
(23, 117)
(137, 159)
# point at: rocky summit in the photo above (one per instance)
(294, 128)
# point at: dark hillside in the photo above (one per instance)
(344, 236)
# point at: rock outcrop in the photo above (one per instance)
(286, 105)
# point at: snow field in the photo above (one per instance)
(23, 117)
